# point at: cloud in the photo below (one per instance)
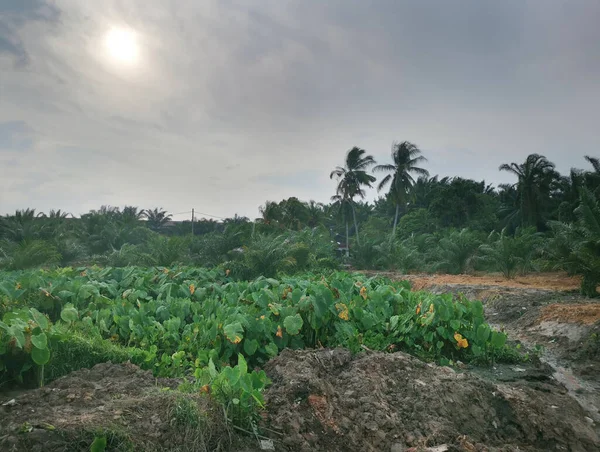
(234, 102)
(13, 15)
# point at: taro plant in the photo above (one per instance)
(25, 335)
(238, 390)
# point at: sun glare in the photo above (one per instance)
(122, 45)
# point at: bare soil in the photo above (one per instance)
(121, 402)
(328, 400)
(547, 281)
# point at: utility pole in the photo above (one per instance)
(192, 221)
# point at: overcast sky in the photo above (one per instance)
(223, 104)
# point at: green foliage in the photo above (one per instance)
(510, 254)
(456, 252)
(576, 247)
(28, 254)
(25, 336)
(239, 391)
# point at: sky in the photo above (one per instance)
(220, 105)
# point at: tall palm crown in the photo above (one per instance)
(405, 158)
(352, 177)
(535, 177)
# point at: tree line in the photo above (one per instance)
(543, 221)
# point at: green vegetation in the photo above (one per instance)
(214, 301)
(188, 321)
(543, 221)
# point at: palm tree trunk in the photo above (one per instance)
(395, 222)
(347, 241)
(355, 225)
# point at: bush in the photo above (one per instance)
(29, 254)
(576, 247)
(456, 253)
(510, 254)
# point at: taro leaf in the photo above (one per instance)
(498, 339)
(40, 341)
(40, 356)
(272, 349)
(242, 364)
(69, 313)
(234, 332)
(454, 324)
(212, 370)
(477, 309)
(39, 318)
(250, 346)
(293, 324)
(296, 295)
(17, 332)
(231, 375)
(273, 282)
(99, 444)
(483, 333)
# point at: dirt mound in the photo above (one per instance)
(126, 405)
(586, 314)
(549, 281)
(327, 400)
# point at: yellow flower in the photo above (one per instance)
(192, 289)
(83, 273)
(363, 292)
(18, 286)
(460, 341)
(431, 308)
(262, 317)
(418, 309)
(344, 315)
(166, 271)
(279, 331)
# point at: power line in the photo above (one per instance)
(208, 215)
(196, 214)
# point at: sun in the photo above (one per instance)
(122, 45)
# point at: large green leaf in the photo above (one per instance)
(16, 331)
(69, 313)
(40, 356)
(242, 364)
(498, 339)
(483, 333)
(272, 349)
(39, 318)
(250, 346)
(293, 324)
(234, 332)
(39, 340)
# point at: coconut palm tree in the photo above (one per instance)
(405, 157)
(535, 177)
(352, 177)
